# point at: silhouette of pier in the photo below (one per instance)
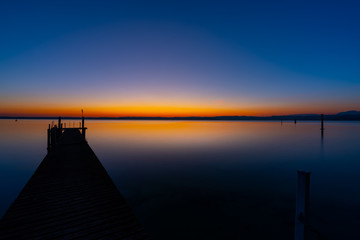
(70, 196)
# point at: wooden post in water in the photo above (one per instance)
(322, 122)
(295, 121)
(302, 204)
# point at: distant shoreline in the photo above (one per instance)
(344, 116)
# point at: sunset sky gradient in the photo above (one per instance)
(178, 58)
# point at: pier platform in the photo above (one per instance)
(70, 196)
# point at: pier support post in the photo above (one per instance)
(302, 204)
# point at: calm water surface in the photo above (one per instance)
(211, 180)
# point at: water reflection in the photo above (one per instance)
(214, 180)
(322, 143)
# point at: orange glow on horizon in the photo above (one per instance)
(157, 111)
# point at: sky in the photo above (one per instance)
(178, 58)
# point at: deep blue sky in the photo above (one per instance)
(245, 57)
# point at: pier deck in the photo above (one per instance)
(70, 196)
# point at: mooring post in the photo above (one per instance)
(322, 122)
(302, 203)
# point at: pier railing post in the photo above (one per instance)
(302, 204)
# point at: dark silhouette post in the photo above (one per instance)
(322, 134)
(302, 204)
(83, 123)
(53, 136)
(59, 127)
(295, 121)
(59, 122)
(322, 122)
(48, 138)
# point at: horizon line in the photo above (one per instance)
(308, 115)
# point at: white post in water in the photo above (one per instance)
(302, 204)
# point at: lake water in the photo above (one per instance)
(211, 179)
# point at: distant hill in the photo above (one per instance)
(346, 116)
(349, 113)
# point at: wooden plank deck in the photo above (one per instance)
(70, 196)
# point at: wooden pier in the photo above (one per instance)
(70, 196)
